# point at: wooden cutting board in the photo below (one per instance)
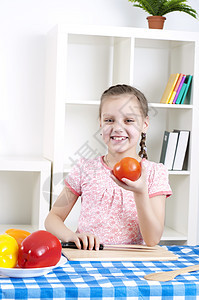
(136, 253)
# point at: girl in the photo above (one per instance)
(115, 212)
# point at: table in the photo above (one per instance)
(109, 280)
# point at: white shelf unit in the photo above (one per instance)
(25, 192)
(84, 61)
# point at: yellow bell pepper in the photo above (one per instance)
(8, 251)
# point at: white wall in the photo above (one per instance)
(23, 26)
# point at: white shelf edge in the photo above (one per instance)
(27, 227)
(119, 31)
(152, 104)
(85, 102)
(171, 235)
(183, 172)
(171, 106)
(24, 163)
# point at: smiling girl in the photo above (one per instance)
(115, 212)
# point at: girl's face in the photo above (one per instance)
(122, 123)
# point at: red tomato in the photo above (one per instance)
(40, 249)
(128, 168)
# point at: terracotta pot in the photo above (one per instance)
(156, 22)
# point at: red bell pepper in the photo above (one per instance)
(38, 250)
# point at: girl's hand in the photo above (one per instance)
(139, 186)
(89, 241)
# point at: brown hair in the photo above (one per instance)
(120, 89)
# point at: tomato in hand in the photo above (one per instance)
(128, 168)
(40, 249)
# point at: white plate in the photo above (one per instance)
(32, 272)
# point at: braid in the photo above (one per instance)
(143, 150)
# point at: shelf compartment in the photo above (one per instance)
(166, 119)
(172, 235)
(91, 57)
(178, 204)
(155, 60)
(25, 184)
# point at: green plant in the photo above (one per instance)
(163, 7)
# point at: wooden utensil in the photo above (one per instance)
(136, 253)
(169, 275)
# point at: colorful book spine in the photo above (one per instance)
(178, 100)
(188, 81)
(172, 93)
(178, 87)
(169, 88)
(175, 88)
(172, 97)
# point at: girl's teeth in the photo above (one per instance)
(119, 138)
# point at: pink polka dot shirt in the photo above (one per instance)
(107, 210)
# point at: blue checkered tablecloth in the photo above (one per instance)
(109, 280)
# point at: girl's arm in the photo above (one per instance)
(151, 214)
(54, 222)
(151, 211)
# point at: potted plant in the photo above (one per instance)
(158, 8)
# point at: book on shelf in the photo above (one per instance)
(181, 149)
(175, 88)
(168, 148)
(187, 84)
(184, 89)
(179, 86)
(178, 100)
(169, 88)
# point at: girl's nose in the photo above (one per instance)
(117, 127)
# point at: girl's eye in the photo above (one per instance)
(108, 120)
(130, 121)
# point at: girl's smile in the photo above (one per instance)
(119, 138)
